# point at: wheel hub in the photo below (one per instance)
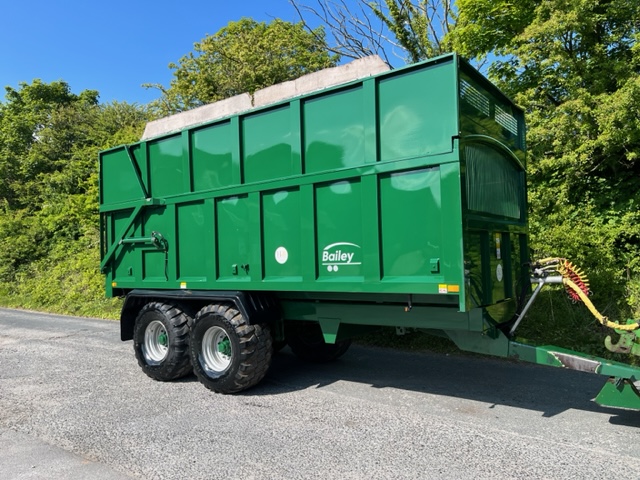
(156, 342)
(217, 350)
(224, 347)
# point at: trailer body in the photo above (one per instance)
(397, 199)
(391, 185)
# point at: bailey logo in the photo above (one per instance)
(340, 254)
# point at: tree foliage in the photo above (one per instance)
(244, 56)
(574, 65)
(27, 121)
(49, 143)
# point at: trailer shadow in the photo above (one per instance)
(488, 380)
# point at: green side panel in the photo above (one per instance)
(155, 263)
(118, 181)
(281, 220)
(334, 131)
(238, 239)
(212, 156)
(267, 145)
(139, 152)
(494, 182)
(417, 112)
(166, 166)
(411, 215)
(195, 241)
(379, 209)
(125, 260)
(339, 231)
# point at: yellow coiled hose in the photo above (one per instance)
(601, 318)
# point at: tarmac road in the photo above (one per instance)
(75, 405)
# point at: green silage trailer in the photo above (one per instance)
(319, 209)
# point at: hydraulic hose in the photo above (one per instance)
(601, 318)
(577, 286)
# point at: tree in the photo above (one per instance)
(25, 114)
(408, 29)
(49, 143)
(244, 56)
(488, 26)
(574, 65)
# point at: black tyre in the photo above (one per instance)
(228, 355)
(306, 341)
(161, 341)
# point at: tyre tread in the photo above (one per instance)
(179, 363)
(255, 351)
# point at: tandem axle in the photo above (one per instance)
(228, 337)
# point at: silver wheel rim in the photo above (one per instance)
(216, 350)
(156, 341)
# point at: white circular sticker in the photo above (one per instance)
(499, 272)
(282, 255)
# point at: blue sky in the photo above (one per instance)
(113, 46)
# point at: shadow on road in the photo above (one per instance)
(495, 381)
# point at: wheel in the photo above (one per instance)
(306, 341)
(228, 355)
(161, 341)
